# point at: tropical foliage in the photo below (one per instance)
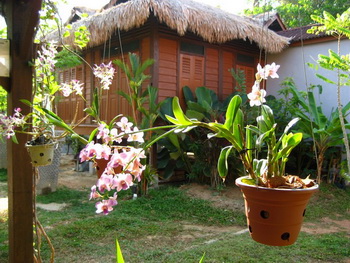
(298, 13)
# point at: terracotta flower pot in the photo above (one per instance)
(101, 164)
(42, 154)
(275, 215)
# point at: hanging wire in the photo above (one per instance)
(127, 82)
(307, 85)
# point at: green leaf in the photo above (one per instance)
(178, 113)
(313, 108)
(202, 258)
(249, 144)
(237, 128)
(222, 162)
(195, 115)
(92, 134)
(119, 255)
(267, 113)
(188, 95)
(326, 79)
(195, 106)
(231, 112)
(172, 120)
(125, 95)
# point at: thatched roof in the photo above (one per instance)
(210, 23)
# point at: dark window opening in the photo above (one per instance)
(245, 59)
(191, 48)
(128, 47)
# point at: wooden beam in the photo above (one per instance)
(21, 17)
(5, 83)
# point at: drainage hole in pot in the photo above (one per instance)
(41, 154)
(304, 212)
(250, 229)
(285, 236)
(264, 214)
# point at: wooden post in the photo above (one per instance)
(21, 17)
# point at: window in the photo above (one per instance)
(191, 48)
(241, 58)
(128, 47)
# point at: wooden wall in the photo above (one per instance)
(174, 68)
(168, 64)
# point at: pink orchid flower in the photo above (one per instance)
(136, 137)
(94, 194)
(103, 132)
(66, 89)
(115, 136)
(105, 182)
(77, 87)
(124, 124)
(123, 181)
(105, 206)
(105, 73)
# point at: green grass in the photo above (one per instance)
(169, 226)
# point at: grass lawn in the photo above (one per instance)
(169, 226)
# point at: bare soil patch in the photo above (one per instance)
(71, 178)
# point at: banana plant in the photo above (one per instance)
(338, 27)
(325, 132)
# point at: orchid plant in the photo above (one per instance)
(124, 162)
(105, 141)
(248, 140)
(44, 93)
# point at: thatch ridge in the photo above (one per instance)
(210, 23)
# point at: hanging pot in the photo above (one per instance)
(41, 154)
(274, 215)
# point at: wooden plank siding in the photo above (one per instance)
(228, 81)
(167, 77)
(173, 68)
(212, 69)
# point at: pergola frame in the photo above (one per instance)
(21, 17)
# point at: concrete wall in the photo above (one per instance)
(293, 64)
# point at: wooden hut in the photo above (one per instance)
(192, 44)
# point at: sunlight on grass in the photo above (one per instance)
(169, 226)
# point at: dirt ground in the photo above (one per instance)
(229, 198)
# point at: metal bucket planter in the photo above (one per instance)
(275, 215)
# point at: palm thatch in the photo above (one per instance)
(210, 23)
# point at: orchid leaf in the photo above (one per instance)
(231, 112)
(92, 134)
(237, 128)
(178, 113)
(249, 143)
(291, 124)
(267, 113)
(172, 120)
(222, 162)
